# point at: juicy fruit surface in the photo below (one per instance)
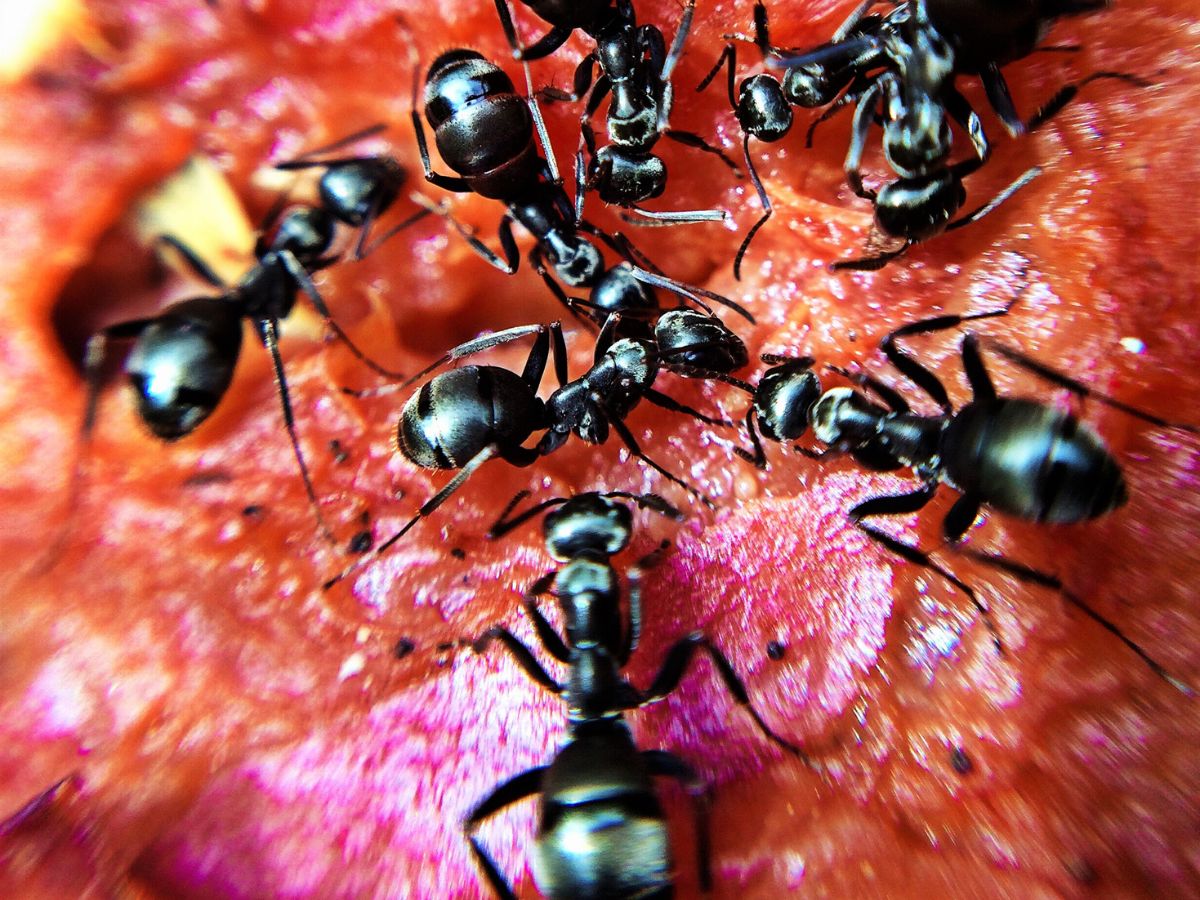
(208, 721)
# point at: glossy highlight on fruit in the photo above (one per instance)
(185, 713)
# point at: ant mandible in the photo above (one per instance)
(602, 831)
(635, 69)
(485, 132)
(462, 418)
(1016, 455)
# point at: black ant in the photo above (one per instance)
(763, 104)
(1019, 456)
(182, 360)
(602, 831)
(462, 418)
(635, 69)
(485, 132)
(902, 68)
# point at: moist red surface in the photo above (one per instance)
(228, 728)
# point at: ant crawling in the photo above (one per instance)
(462, 418)
(1019, 456)
(763, 106)
(901, 68)
(602, 831)
(182, 360)
(485, 132)
(635, 69)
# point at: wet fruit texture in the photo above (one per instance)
(217, 725)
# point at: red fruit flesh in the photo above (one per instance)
(225, 727)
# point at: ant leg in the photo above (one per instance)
(853, 19)
(909, 503)
(837, 52)
(447, 182)
(634, 633)
(361, 252)
(510, 30)
(870, 263)
(975, 215)
(864, 113)
(650, 218)
(1082, 390)
(689, 292)
(620, 243)
(962, 515)
(195, 263)
(763, 198)
(506, 263)
(668, 765)
(540, 124)
(573, 304)
(585, 180)
(978, 378)
(689, 139)
(670, 403)
(847, 99)
(549, 638)
(1001, 100)
(512, 791)
(503, 525)
(581, 82)
(921, 376)
(675, 666)
(758, 458)
(889, 395)
(1045, 579)
(762, 33)
(486, 342)
(681, 33)
(306, 159)
(631, 442)
(268, 330)
(301, 277)
(522, 654)
(1067, 93)
(424, 512)
(962, 113)
(558, 347)
(547, 43)
(95, 355)
(728, 57)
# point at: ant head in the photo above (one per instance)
(686, 337)
(577, 261)
(813, 85)
(305, 231)
(784, 399)
(352, 190)
(762, 109)
(919, 139)
(588, 523)
(919, 208)
(621, 177)
(181, 365)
